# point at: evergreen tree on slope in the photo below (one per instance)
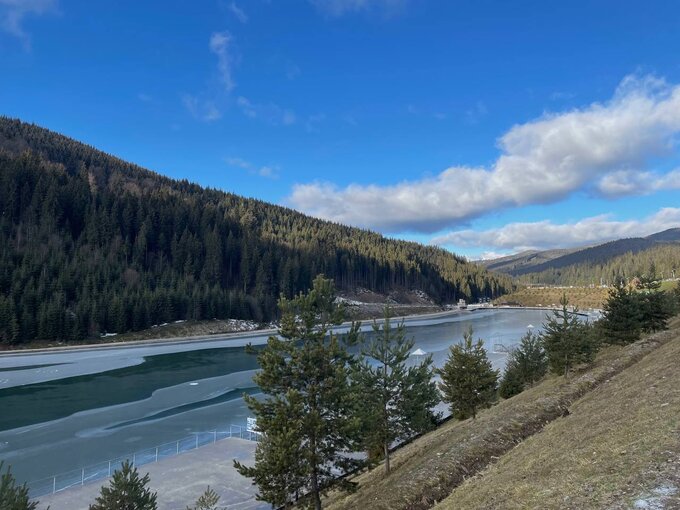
(395, 400)
(469, 382)
(306, 416)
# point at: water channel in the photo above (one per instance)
(64, 410)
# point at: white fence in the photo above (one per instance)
(103, 470)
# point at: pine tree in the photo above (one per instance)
(13, 496)
(206, 501)
(654, 304)
(126, 491)
(395, 400)
(306, 420)
(674, 297)
(566, 340)
(621, 323)
(526, 364)
(469, 382)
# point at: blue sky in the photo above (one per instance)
(487, 127)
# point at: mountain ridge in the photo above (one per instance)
(588, 260)
(91, 243)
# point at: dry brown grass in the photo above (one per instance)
(619, 445)
(429, 469)
(582, 297)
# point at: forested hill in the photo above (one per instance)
(90, 243)
(603, 253)
(535, 261)
(623, 258)
(664, 256)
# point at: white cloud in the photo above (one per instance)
(336, 8)
(632, 182)
(546, 234)
(271, 113)
(239, 162)
(201, 108)
(208, 105)
(13, 12)
(268, 171)
(541, 161)
(238, 12)
(491, 255)
(219, 45)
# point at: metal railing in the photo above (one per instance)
(105, 469)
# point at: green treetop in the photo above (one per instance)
(621, 322)
(469, 382)
(13, 496)
(127, 491)
(567, 341)
(395, 399)
(526, 364)
(305, 418)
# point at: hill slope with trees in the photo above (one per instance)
(665, 257)
(90, 243)
(623, 258)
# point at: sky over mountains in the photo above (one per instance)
(484, 127)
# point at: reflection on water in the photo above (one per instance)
(50, 427)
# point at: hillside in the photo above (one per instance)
(524, 260)
(664, 256)
(617, 448)
(595, 264)
(90, 244)
(581, 297)
(602, 439)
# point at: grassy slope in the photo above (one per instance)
(583, 297)
(619, 446)
(429, 469)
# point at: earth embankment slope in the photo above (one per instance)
(619, 447)
(430, 469)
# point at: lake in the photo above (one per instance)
(65, 410)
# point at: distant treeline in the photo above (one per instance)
(92, 244)
(665, 257)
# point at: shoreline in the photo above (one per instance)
(237, 335)
(181, 340)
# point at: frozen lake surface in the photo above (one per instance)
(68, 409)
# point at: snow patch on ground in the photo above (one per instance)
(349, 302)
(657, 499)
(241, 325)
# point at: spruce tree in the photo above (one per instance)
(306, 417)
(654, 304)
(526, 364)
(395, 400)
(469, 382)
(674, 297)
(566, 340)
(622, 317)
(13, 496)
(126, 491)
(206, 501)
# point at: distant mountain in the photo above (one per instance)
(670, 235)
(623, 257)
(90, 243)
(593, 255)
(524, 260)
